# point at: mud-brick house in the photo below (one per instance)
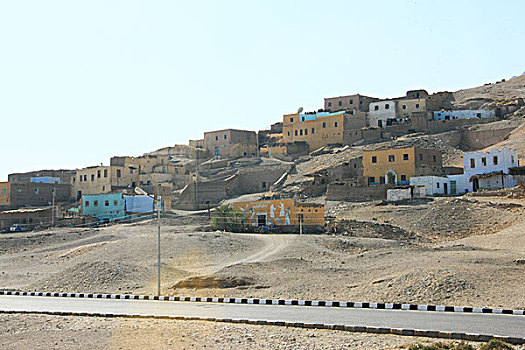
(395, 166)
(28, 218)
(285, 214)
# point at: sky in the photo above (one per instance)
(82, 81)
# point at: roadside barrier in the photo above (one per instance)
(346, 328)
(293, 302)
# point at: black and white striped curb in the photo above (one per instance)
(347, 304)
(347, 328)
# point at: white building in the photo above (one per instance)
(435, 185)
(380, 112)
(480, 170)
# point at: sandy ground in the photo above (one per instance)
(452, 251)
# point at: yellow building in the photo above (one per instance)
(397, 165)
(321, 129)
(282, 213)
(5, 193)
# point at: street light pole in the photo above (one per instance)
(53, 208)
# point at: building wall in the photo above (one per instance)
(64, 175)
(375, 169)
(434, 185)
(403, 162)
(29, 218)
(231, 143)
(380, 112)
(349, 102)
(475, 163)
(463, 114)
(282, 212)
(5, 194)
(92, 180)
(38, 194)
(353, 191)
(109, 206)
(405, 107)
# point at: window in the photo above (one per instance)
(301, 132)
(95, 203)
(405, 156)
(302, 119)
(306, 131)
(131, 171)
(216, 138)
(478, 115)
(371, 179)
(288, 133)
(376, 108)
(417, 106)
(472, 163)
(404, 107)
(37, 191)
(115, 202)
(420, 156)
(495, 160)
(351, 101)
(105, 172)
(387, 106)
(295, 132)
(85, 177)
(225, 136)
(437, 184)
(92, 177)
(434, 158)
(335, 124)
(511, 160)
(313, 132)
(381, 179)
(391, 158)
(80, 178)
(106, 203)
(264, 185)
(484, 161)
(329, 104)
(86, 204)
(3, 191)
(403, 177)
(98, 174)
(119, 174)
(324, 124)
(374, 159)
(340, 103)
(291, 120)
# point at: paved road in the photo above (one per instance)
(489, 324)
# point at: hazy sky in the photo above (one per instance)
(81, 81)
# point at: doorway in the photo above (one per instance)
(445, 188)
(261, 220)
(475, 185)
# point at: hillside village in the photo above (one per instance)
(355, 148)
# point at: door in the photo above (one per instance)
(475, 185)
(445, 188)
(453, 187)
(261, 220)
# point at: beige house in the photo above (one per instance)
(349, 102)
(231, 143)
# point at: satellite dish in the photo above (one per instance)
(300, 110)
(140, 191)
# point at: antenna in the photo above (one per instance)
(300, 110)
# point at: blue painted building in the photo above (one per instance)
(307, 117)
(464, 114)
(105, 206)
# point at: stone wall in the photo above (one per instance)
(351, 191)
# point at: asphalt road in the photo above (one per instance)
(489, 324)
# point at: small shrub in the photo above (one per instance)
(495, 345)
(227, 218)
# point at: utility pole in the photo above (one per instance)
(53, 208)
(196, 177)
(159, 202)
